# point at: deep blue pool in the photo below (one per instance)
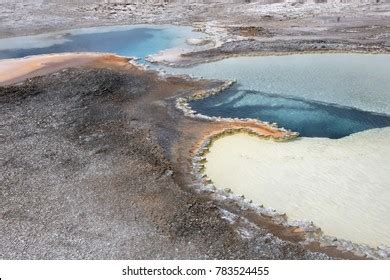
(309, 118)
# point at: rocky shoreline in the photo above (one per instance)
(197, 133)
(110, 165)
(100, 169)
(312, 233)
(253, 47)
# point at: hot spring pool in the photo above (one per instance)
(336, 175)
(127, 40)
(317, 95)
(341, 185)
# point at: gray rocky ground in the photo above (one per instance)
(87, 154)
(284, 20)
(86, 173)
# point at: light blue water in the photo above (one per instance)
(138, 41)
(317, 95)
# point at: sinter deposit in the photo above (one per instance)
(341, 185)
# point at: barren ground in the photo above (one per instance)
(95, 160)
(363, 22)
(97, 169)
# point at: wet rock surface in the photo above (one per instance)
(88, 172)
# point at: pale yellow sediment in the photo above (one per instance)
(341, 185)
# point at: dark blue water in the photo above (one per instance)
(135, 41)
(309, 118)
